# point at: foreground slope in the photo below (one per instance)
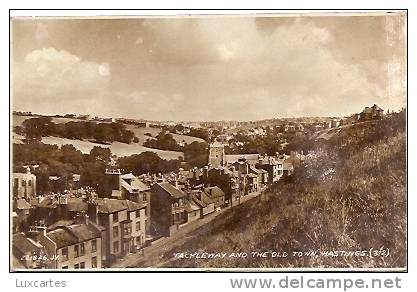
(349, 196)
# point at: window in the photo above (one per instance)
(64, 267)
(115, 231)
(76, 266)
(144, 198)
(23, 183)
(127, 230)
(82, 265)
(146, 211)
(137, 213)
(94, 262)
(137, 226)
(94, 245)
(116, 217)
(16, 182)
(82, 250)
(77, 251)
(116, 247)
(139, 241)
(29, 183)
(65, 254)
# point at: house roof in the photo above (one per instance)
(114, 205)
(190, 206)
(62, 237)
(84, 232)
(22, 204)
(255, 170)
(203, 201)
(23, 244)
(128, 176)
(377, 108)
(171, 190)
(46, 202)
(134, 184)
(214, 192)
(76, 205)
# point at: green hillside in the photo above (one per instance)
(349, 196)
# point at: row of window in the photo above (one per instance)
(116, 247)
(127, 230)
(79, 250)
(116, 215)
(16, 182)
(82, 264)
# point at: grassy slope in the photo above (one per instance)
(351, 195)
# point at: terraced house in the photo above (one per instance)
(73, 246)
(124, 221)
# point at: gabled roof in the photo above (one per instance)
(22, 204)
(108, 206)
(214, 192)
(190, 206)
(203, 202)
(84, 232)
(62, 237)
(24, 244)
(76, 205)
(255, 170)
(171, 190)
(134, 184)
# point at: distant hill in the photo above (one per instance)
(349, 196)
(117, 148)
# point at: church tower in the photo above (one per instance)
(216, 155)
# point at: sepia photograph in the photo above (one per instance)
(244, 142)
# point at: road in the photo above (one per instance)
(152, 255)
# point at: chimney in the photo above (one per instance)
(82, 218)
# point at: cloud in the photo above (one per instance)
(59, 82)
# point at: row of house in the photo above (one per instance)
(83, 229)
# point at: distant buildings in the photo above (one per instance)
(371, 113)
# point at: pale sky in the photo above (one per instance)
(209, 68)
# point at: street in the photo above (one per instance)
(151, 256)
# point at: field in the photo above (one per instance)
(117, 148)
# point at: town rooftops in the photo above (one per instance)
(255, 170)
(132, 183)
(70, 234)
(24, 244)
(214, 192)
(84, 232)
(171, 190)
(190, 206)
(201, 199)
(62, 237)
(108, 206)
(76, 205)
